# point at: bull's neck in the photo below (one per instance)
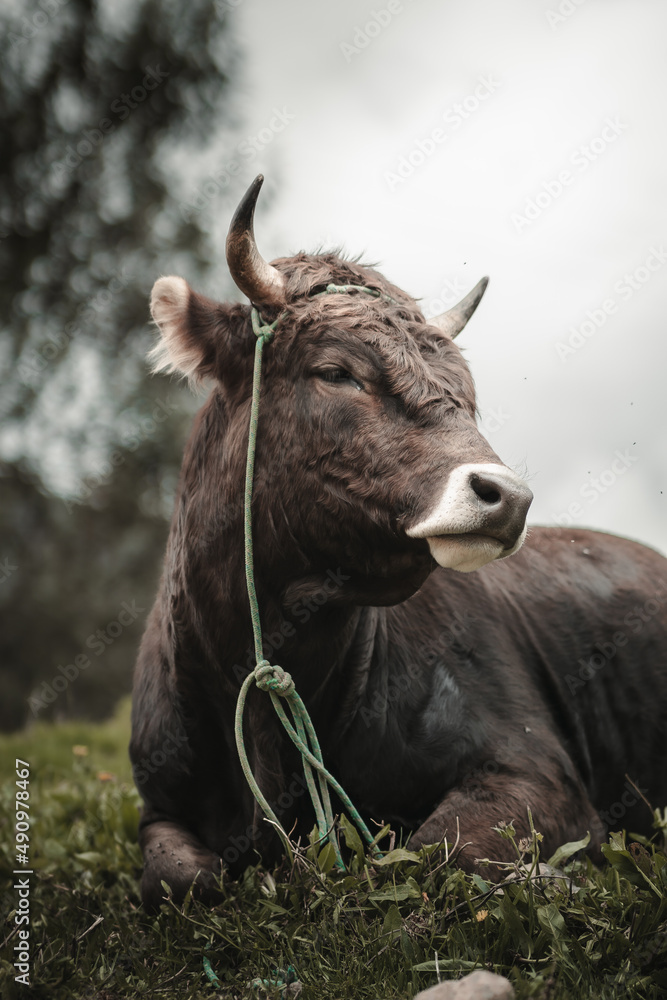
(309, 625)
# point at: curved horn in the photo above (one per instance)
(452, 322)
(261, 282)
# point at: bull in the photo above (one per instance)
(452, 688)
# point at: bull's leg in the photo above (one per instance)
(561, 813)
(174, 855)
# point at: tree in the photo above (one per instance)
(99, 101)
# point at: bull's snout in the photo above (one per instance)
(504, 500)
(479, 516)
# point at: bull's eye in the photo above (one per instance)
(339, 376)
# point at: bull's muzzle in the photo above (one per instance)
(479, 516)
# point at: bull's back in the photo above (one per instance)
(587, 591)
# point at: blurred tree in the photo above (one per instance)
(105, 108)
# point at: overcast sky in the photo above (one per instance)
(524, 140)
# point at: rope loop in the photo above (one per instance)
(271, 677)
(263, 331)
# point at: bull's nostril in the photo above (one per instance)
(488, 492)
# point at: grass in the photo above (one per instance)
(380, 931)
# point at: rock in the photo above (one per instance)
(476, 986)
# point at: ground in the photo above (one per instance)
(377, 931)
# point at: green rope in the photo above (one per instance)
(281, 979)
(210, 974)
(273, 678)
(277, 681)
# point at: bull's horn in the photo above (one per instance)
(262, 283)
(452, 322)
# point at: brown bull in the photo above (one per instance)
(439, 698)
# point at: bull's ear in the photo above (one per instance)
(196, 333)
(175, 351)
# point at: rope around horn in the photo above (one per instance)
(272, 678)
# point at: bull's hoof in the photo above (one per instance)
(174, 855)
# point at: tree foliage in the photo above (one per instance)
(106, 108)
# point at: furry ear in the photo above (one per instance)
(194, 331)
(175, 351)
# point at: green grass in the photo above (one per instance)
(374, 933)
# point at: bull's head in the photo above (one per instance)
(369, 457)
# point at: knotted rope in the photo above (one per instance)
(270, 677)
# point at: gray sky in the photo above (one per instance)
(421, 133)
